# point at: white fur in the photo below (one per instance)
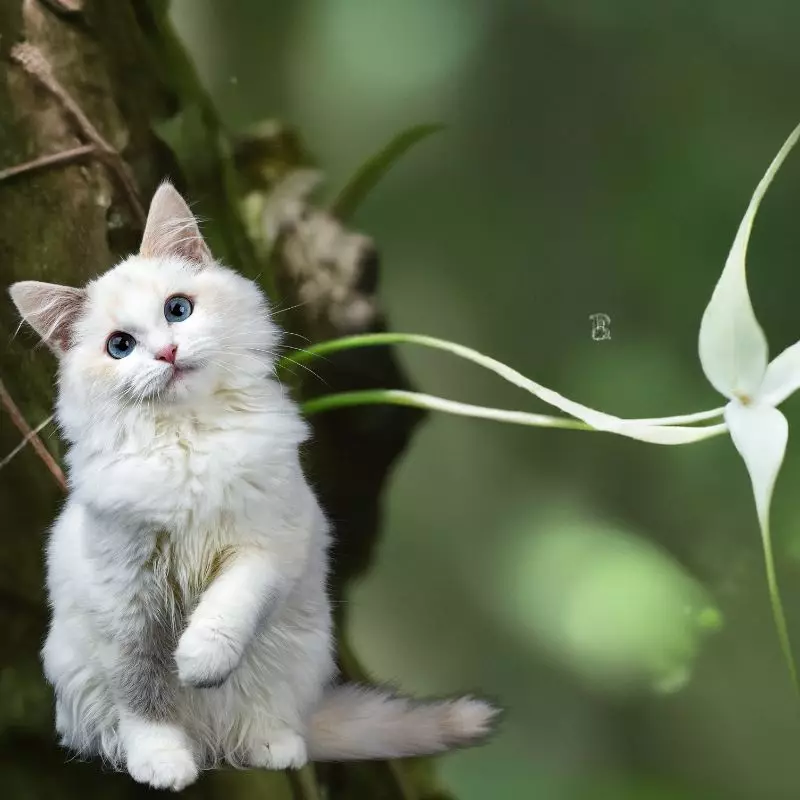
(201, 468)
(160, 755)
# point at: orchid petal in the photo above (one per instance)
(732, 345)
(782, 377)
(760, 434)
(680, 419)
(666, 434)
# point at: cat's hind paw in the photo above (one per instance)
(162, 758)
(205, 657)
(280, 749)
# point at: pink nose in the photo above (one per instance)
(167, 353)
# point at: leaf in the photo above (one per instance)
(632, 428)
(732, 345)
(371, 172)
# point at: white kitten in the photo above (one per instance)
(187, 571)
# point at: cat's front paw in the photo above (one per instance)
(206, 656)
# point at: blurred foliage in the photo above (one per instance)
(598, 156)
(604, 602)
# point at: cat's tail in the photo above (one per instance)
(354, 723)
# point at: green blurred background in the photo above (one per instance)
(598, 157)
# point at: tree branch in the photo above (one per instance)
(64, 157)
(29, 434)
(32, 60)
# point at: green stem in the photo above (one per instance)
(777, 607)
(663, 430)
(303, 783)
(400, 397)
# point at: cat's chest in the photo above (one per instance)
(197, 459)
(210, 472)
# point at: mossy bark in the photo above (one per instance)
(122, 65)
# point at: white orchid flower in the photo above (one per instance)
(734, 356)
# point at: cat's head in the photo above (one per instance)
(167, 325)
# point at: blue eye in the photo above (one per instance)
(120, 344)
(178, 308)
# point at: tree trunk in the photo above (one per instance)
(106, 89)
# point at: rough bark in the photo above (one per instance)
(121, 66)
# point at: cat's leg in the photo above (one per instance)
(158, 751)
(259, 716)
(250, 642)
(139, 621)
(278, 748)
(62, 668)
(109, 650)
(85, 716)
(285, 671)
(226, 619)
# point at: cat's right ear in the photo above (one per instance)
(50, 309)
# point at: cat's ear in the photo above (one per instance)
(50, 309)
(171, 229)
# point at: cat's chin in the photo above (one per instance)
(181, 378)
(178, 384)
(185, 385)
(181, 374)
(189, 385)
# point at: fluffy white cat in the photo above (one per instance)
(187, 571)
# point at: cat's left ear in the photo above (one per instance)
(171, 229)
